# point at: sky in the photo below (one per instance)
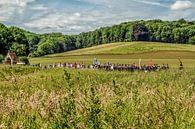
(76, 16)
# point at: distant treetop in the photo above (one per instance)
(26, 43)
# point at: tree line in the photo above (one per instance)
(26, 43)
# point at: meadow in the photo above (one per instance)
(71, 98)
(127, 53)
(59, 98)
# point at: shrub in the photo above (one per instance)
(192, 40)
(1, 58)
(24, 59)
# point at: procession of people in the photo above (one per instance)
(111, 66)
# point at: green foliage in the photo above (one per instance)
(6, 39)
(1, 58)
(20, 42)
(94, 110)
(192, 40)
(19, 49)
(6, 73)
(31, 44)
(46, 48)
(24, 59)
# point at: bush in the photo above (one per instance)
(192, 40)
(46, 48)
(1, 58)
(24, 59)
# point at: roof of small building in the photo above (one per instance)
(12, 55)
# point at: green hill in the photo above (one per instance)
(35, 45)
(129, 52)
(128, 48)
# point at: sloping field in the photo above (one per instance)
(128, 48)
(126, 53)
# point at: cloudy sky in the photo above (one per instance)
(75, 16)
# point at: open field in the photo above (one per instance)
(127, 53)
(128, 48)
(58, 98)
(70, 98)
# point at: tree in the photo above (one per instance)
(1, 58)
(19, 49)
(20, 39)
(192, 40)
(6, 39)
(33, 41)
(30, 44)
(70, 43)
(98, 37)
(182, 21)
(24, 59)
(46, 48)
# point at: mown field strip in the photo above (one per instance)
(126, 53)
(128, 47)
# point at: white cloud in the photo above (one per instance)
(11, 8)
(74, 22)
(150, 3)
(59, 21)
(6, 10)
(181, 5)
(86, 15)
(77, 14)
(21, 3)
(39, 7)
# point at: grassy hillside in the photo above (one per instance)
(130, 52)
(128, 48)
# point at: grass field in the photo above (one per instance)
(59, 98)
(68, 98)
(127, 53)
(128, 48)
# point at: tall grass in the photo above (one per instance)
(69, 98)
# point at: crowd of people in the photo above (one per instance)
(108, 66)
